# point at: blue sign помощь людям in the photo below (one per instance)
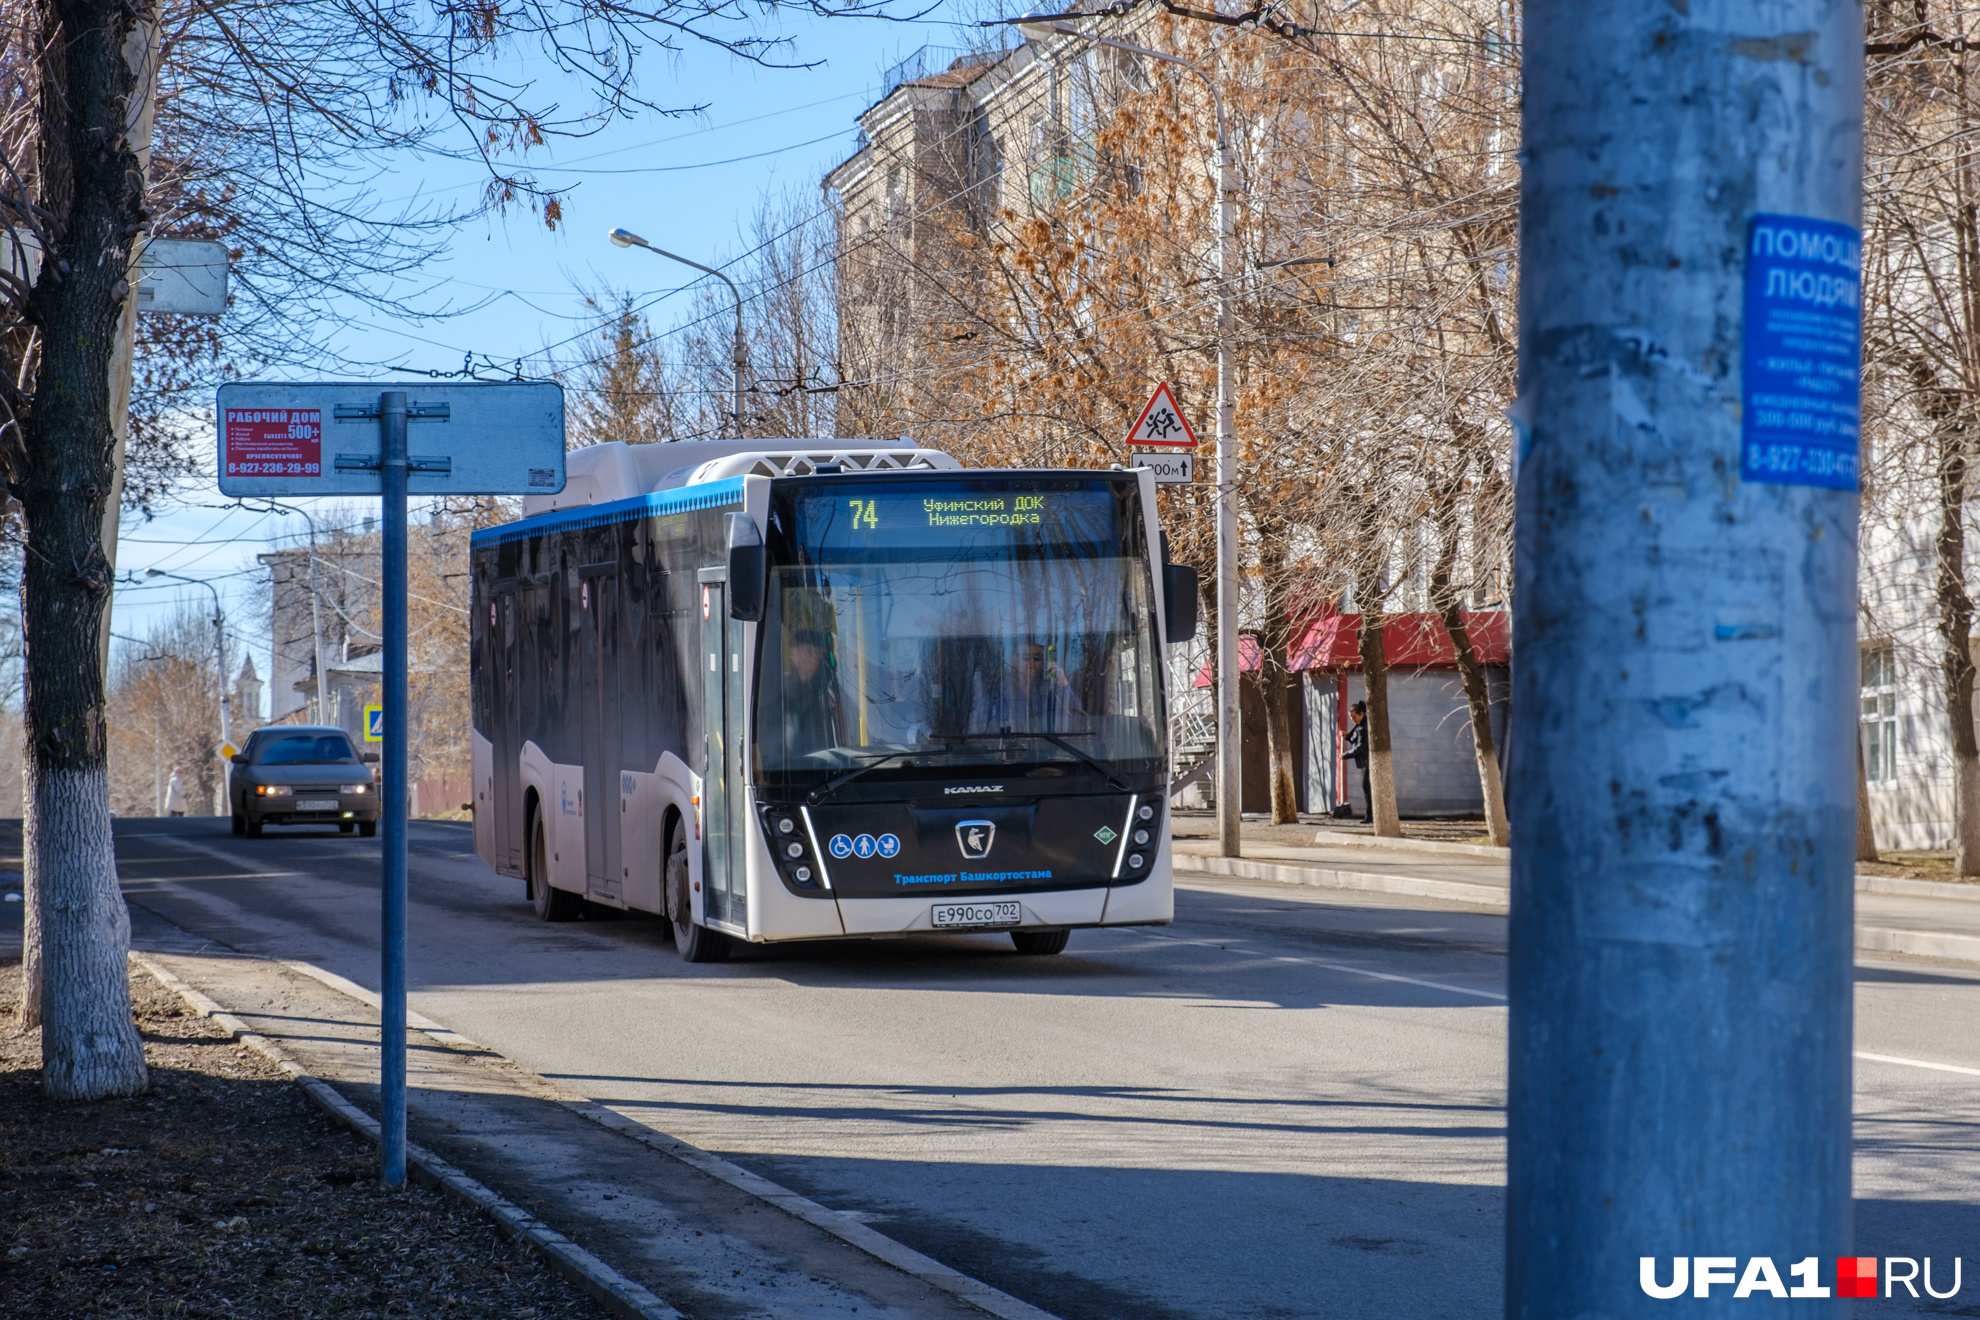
(1801, 358)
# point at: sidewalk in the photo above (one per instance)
(1925, 918)
(672, 1230)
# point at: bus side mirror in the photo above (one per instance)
(1179, 601)
(749, 566)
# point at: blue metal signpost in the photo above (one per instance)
(272, 442)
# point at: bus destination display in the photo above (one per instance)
(860, 521)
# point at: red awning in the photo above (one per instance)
(1409, 641)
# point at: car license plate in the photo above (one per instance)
(316, 804)
(951, 915)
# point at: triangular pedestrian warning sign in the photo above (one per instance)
(1162, 424)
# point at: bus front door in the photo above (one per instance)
(723, 805)
(505, 725)
(599, 714)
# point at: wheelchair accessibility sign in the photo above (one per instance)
(374, 724)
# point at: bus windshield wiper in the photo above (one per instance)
(1119, 784)
(844, 777)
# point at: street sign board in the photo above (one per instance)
(1162, 423)
(374, 724)
(1169, 468)
(183, 275)
(323, 438)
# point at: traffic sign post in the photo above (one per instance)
(1161, 424)
(1170, 469)
(310, 439)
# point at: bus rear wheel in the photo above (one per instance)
(696, 944)
(1040, 941)
(551, 904)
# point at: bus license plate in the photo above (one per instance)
(316, 804)
(951, 915)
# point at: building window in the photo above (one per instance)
(1879, 715)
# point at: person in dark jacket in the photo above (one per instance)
(811, 697)
(1354, 748)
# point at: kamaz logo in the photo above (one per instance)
(976, 788)
(974, 838)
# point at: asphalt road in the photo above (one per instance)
(1284, 1105)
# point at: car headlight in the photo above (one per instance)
(272, 790)
(355, 788)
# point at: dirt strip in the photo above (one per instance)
(224, 1191)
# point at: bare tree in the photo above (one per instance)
(1922, 320)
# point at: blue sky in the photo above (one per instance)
(688, 183)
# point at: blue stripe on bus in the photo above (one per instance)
(713, 495)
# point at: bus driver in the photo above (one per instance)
(811, 698)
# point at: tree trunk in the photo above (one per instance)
(1470, 673)
(1479, 698)
(1866, 831)
(1375, 678)
(30, 1015)
(93, 192)
(1956, 629)
(1276, 679)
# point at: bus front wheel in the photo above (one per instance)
(551, 904)
(695, 943)
(1040, 941)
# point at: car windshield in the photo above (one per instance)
(306, 749)
(966, 622)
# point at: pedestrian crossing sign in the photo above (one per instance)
(374, 724)
(1162, 424)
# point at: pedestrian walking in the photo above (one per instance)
(1355, 748)
(175, 794)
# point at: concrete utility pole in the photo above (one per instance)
(739, 347)
(1230, 722)
(1684, 619)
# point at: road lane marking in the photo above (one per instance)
(1404, 980)
(1234, 947)
(1918, 1063)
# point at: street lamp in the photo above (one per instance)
(219, 656)
(1037, 27)
(625, 238)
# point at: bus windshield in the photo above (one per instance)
(967, 622)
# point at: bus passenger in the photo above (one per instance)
(1034, 695)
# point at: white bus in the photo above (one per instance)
(814, 689)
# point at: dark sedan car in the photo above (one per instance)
(302, 775)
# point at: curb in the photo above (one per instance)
(1293, 873)
(1869, 939)
(878, 1245)
(1919, 943)
(603, 1284)
(1900, 887)
(1327, 838)
(847, 1229)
